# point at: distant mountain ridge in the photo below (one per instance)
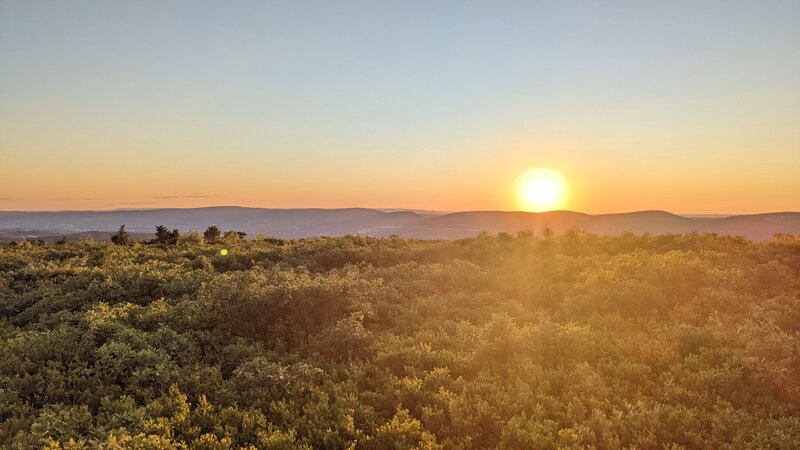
(309, 222)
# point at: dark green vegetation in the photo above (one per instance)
(681, 341)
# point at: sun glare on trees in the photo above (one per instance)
(541, 189)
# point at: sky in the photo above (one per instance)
(687, 106)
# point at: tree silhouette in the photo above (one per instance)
(165, 237)
(121, 236)
(162, 234)
(212, 234)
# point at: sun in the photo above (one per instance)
(541, 189)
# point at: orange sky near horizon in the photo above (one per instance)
(418, 106)
(679, 183)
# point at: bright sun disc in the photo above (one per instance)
(541, 189)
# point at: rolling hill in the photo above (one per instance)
(299, 223)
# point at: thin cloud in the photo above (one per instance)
(167, 197)
(6, 198)
(134, 203)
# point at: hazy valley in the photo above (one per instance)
(300, 223)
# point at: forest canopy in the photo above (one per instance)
(573, 341)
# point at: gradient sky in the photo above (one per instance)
(686, 106)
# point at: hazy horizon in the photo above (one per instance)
(690, 107)
(390, 209)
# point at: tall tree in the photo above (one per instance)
(162, 234)
(121, 236)
(212, 234)
(173, 237)
(165, 237)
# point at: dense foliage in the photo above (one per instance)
(575, 341)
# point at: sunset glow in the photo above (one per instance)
(541, 189)
(129, 105)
